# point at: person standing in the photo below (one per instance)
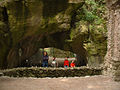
(45, 59)
(72, 64)
(54, 63)
(66, 62)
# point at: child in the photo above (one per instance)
(72, 64)
(66, 62)
(54, 63)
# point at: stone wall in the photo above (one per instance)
(52, 72)
(112, 60)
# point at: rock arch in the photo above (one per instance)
(33, 25)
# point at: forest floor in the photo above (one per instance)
(62, 83)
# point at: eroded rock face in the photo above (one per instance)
(112, 61)
(27, 25)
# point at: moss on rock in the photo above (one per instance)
(52, 72)
(35, 24)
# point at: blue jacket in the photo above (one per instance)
(45, 58)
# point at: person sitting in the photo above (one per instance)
(54, 63)
(72, 64)
(66, 62)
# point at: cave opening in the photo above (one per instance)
(60, 55)
(36, 59)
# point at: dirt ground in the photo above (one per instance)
(71, 83)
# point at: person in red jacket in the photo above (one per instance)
(72, 64)
(66, 62)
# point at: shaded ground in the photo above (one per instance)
(71, 83)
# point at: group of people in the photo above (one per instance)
(66, 63)
(54, 63)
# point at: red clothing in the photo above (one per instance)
(72, 65)
(66, 63)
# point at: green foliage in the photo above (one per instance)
(90, 22)
(91, 11)
(91, 14)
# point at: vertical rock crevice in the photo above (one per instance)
(7, 37)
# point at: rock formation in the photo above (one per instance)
(27, 25)
(112, 60)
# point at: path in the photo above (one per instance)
(74, 83)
